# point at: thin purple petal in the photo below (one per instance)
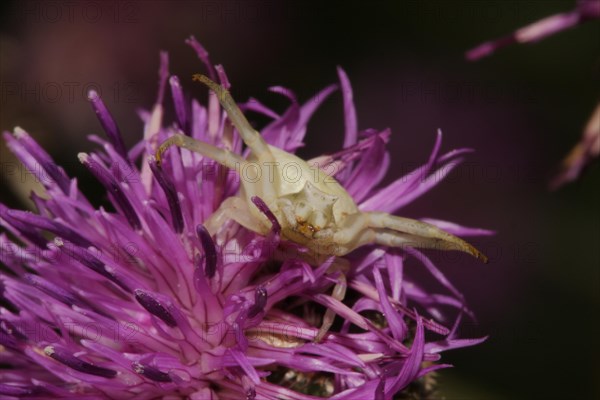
(108, 123)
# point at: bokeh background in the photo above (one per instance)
(521, 109)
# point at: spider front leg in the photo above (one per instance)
(222, 156)
(234, 208)
(389, 230)
(260, 150)
(249, 135)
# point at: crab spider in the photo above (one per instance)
(312, 208)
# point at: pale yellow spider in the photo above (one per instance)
(312, 208)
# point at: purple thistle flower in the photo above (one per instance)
(141, 302)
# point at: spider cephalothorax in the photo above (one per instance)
(309, 212)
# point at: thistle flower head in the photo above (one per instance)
(138, 300)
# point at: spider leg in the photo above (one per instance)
(234, 208)
(262, 187)
(351, 229)
(249, 135)
(391, 230)
(391, 238)
(222, 156)
(339, 292)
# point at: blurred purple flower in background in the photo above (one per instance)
(588, 147)
(141, 302)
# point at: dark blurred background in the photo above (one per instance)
(521, 109)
